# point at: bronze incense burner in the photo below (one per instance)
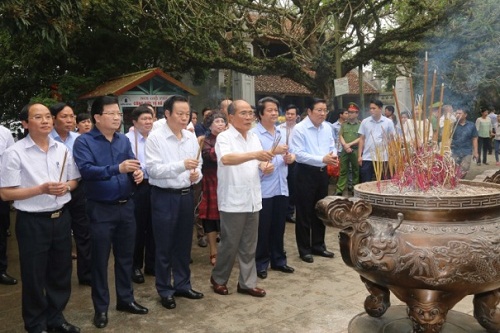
(430, 252)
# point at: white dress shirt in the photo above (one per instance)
(159, 123)
(165, 155)
(238, 187)
(24, 164)
(6, 139)
(310, 143)
(140, 150)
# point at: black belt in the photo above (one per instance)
(144, 181)
(312, 168)
(112, 202)
(48, 215)
(181, 191)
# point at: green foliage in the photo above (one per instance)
(467, 55)
(77, 45)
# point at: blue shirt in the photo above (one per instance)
(275, 183)
(310, 143)
(98, 160)
(70, 140)
(461, 144)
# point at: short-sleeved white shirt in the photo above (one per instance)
(24, 164)
(238, 187)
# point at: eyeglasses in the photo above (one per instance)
(113, 114)
(40, 117)
(325, 111)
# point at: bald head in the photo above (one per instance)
(224, 105)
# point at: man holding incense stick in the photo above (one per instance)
(173, 165)
(270, 248)
(110, 172)
(38, 174)
(239, 156)
(314, 146)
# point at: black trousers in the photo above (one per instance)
(111, 226)
(144, 251)
(80, 225)
(173, 219)
(270, 246)
(45, 257)
(309, 229)
(290, 178)
(483, 145)
(4, 225)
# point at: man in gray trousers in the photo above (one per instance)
(240, 156)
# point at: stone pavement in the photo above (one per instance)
(319, 297)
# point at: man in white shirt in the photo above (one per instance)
(240, 156)
(6, 140)
(38, 174)
(374, 132)
(173, 167)
(144, 250)
(291, 116)
(64, 126)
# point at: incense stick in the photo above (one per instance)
(63, 165)
(202, 141)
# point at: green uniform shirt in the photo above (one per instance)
(350, 131)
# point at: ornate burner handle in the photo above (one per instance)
(400, 219)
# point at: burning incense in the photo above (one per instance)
(399, 117)
(276, 141)
(424, 99)
(63, 165)
(439, 116)
(136, 144)
(202, 141)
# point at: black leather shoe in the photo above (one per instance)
(262, 274)
(101, 319)
(284, 269)
(325, 253)
(290, 219)
(168, 302)
(64, 328)
(307, 258)
(7, 279)
(190, 293)
(133, 307)
(137, 276)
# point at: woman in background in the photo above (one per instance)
(208, 210)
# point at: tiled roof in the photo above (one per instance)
(353, 79)
(117, 86)
(275, 84)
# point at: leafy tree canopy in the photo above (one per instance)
(76, 45)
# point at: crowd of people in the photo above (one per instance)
(234, 175)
